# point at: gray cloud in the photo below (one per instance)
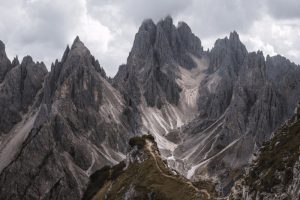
(42, 28)
(214, 17)
(281, 9)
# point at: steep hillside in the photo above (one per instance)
(144, 176)
(274, 172)
(161, 78)
(208, 110)
(75, 126)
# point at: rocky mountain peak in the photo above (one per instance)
(15, 61)
(235, 42)
(79, 49)
(234, 36)
(182, 24)
(278, 62)
(278, 66)
(69, 122)
(2, 47)
(228, 53)
(208, 112)
(77, 56)
(65, 55)
(26, 60)
(5, 64)
(147, 24)
(165, 43)
(144, 39)
(77, 43)
(191, 42)
(18, 91)
(166, 23)
(183, 28)
(77, 64)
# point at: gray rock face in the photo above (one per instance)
(274, 172)
(18, 91)
(226, 59)
(241, 98)
(236, 115)
(162, 55)
(228, 53)
(208, 111)
(294, 187)
(151, 67)
(5, 64)
(76, 128)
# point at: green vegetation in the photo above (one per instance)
(149, 179)
(140, 141)
(208, 186)
(137, 141)
(102, 176)
(277, 156)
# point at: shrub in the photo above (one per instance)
(137, 141)
(117, 170)
(97, 180)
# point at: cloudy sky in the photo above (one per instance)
(43, 28)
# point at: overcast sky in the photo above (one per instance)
(43, 28)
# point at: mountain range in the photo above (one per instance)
(208, 112)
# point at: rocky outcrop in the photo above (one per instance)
(144, 176)
(239, 98)
(152, 80)
(78, 127)
(207, 110)
(225, 61)
(19, 90)
(5, 64)
(151, 67)
(240, 104)
(274, 172)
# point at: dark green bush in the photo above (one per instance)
(137, 141)
(149, 137)
(117, 170)
(97, 180)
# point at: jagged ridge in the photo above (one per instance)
(209, 111)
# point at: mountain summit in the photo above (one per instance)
(74, 125)
(208, 112)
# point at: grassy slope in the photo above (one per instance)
(151, 178)
(276, 156)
